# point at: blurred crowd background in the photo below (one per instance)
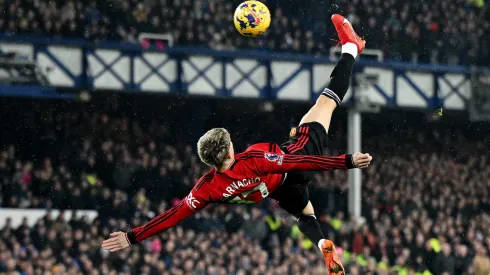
(425, 197)
(440, 31)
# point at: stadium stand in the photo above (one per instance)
(126, 157)
(425, 198)
(447, 32)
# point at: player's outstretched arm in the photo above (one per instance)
(278, 163)
(187, 207)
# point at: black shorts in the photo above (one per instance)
(307, 139)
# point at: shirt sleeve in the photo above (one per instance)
(282, 163)
(191, 204)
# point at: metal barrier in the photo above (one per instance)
(254, 74)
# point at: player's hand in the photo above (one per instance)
(117, 241)
(361, 160)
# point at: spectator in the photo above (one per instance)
(256, 226)
(444, 263)
(481, 261)
(462, 259)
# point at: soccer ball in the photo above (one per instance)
(252, 18)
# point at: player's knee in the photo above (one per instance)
(307, 211)
(326, 102)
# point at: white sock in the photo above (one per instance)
(350, 48)
(320, 243)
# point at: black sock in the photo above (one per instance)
(340, 78)
(310, 227)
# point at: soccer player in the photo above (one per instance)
(267, 169)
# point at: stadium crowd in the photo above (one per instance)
(443, 31)
(425, 198)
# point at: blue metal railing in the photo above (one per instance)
(109, 76)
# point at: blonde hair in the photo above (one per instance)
(213, 146)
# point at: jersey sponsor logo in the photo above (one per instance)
(191, 201)
(274, 158)
(230, 189)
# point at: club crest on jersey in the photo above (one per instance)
(191, 201)
(274, 158)
(293, 132)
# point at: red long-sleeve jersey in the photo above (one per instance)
(253, 175)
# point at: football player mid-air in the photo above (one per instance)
(267, 169)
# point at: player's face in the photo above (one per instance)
(231, 153)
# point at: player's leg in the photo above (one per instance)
(293, 197)
(310, 138)
(309, 226)
(333, 95)
(313, 128)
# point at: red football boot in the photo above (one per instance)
(332, 260)
(346, 32)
